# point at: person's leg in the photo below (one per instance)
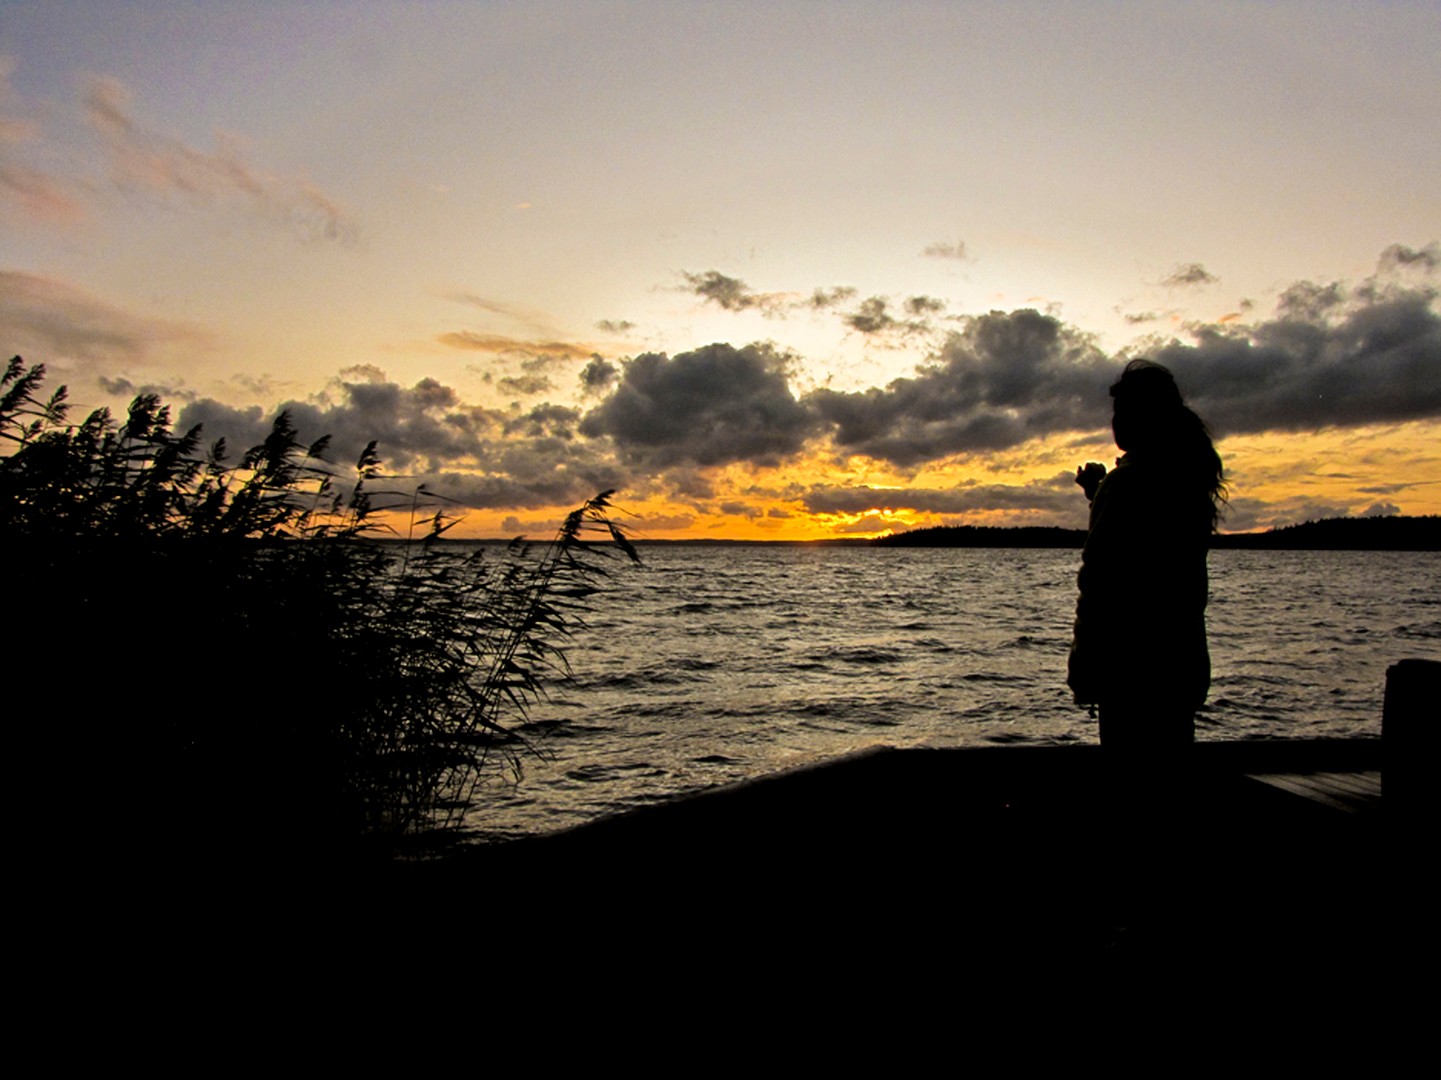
(1148, 798)
(1147, 728)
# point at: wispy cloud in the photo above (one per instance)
(50, 319)
(142, 159)
(500, 344)
(946, 249)
(537, 323)
(40, 195)
(34, 194)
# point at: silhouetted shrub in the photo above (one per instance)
(237, 648)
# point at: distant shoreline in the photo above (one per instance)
(1396, 533)
(1330, 534)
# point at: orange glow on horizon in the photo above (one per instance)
(1274, 479)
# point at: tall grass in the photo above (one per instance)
(248, 645)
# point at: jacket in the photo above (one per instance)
(1140, 634)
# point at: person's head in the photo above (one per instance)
(1151, 419)
(1147, 407)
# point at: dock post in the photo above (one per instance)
(1408, 735)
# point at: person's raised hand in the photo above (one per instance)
(1089, 476)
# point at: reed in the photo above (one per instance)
(323, 681)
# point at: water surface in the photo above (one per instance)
(710, 664)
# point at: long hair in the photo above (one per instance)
(1153, 420)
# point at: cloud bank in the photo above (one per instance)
(685, 426)
(1333, 357)
(1002, 379)
(711, 406)
(478, 457)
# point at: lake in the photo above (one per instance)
(709, 664)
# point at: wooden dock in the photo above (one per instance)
(1282, 849)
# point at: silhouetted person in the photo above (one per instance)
(1139, 652)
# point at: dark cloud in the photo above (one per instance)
(732, 294)
(1388, 489)
(524, 385)
(614, 326)
(1331, 357)
(1381, 509)
(871, 523)
(166, 167)
(263, 386)
(820, 299)
(1309, 510)
(944, 249)
(475, 457)
(241, 428)
(363, 373)
(415, 426)
(1189, 274)
(1399, 255)
(871, 317)
(1000, 380)
(660, 522)
(597, 376)
(514, 526)
(729, 293)
(924, 305)
(123, 387)
(1058, 497)
(712, 406)
(1141, 317)
(1311, 302)
(549, 480)
(1245, 514)
(556, 421)
(686, 482)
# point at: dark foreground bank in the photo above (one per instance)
(890, 875)
(1041, 853)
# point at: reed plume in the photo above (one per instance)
(321, 680)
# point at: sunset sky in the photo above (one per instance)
(770, 270)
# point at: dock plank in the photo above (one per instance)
(1349, 793)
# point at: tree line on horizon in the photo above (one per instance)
(1390, 533)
